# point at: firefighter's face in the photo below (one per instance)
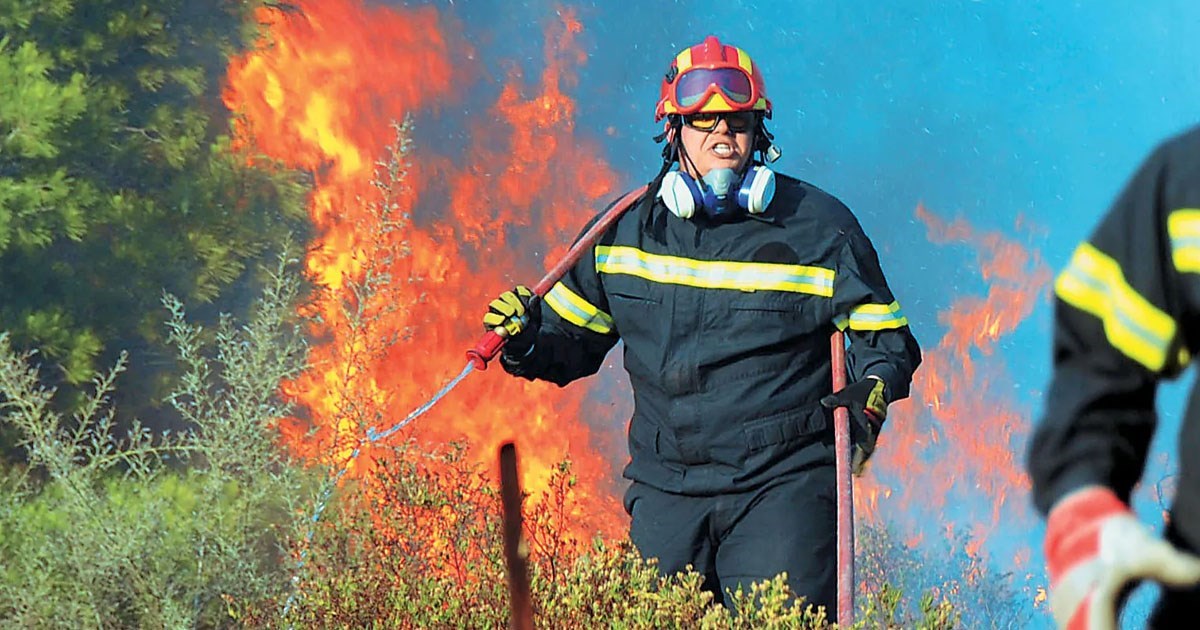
(721, 146)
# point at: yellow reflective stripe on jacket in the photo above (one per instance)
(1183, 226)
(573, 308)
(872, 317)
(712, 274)
(1094, 283)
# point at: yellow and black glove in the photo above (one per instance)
(518, 312)
(867, 406)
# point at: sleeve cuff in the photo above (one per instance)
(513, 361)
(893, 389)
(1068, 482)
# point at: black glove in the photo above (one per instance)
(519, 313)
(868, 409)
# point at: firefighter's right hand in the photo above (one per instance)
(517, 312)
(1095, 549)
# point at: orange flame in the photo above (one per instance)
(960, 433)
(434, 246)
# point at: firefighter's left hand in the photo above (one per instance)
(868, 409)
(1095, 549)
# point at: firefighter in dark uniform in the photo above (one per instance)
(1127, 315)
(725, 283)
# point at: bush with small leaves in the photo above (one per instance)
(145, 530)
(417, 544)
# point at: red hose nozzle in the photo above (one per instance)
(488, 347)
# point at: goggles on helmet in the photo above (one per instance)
(711, 77)
(696, 86)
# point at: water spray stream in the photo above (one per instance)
(375, 436)
(372, 437)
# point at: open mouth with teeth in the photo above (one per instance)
(722, 150)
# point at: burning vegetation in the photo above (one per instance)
(406, 242)
(323, 97)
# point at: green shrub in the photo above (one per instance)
(101, 530)
(417, 544)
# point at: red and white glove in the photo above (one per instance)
(1095, 547)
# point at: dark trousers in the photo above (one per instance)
(790, 524)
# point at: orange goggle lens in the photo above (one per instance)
(738, 122)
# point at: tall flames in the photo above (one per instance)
(962, 433)
(963, 438)
(322, 94)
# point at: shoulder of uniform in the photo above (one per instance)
(1171, 173)
(1187, 138)
(1181, 152)
(813, 200)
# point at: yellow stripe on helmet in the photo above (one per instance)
(717, 103)
(683, 60)
(744, 62)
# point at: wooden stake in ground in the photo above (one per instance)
(516, 553)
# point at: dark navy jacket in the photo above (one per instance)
(1127, 317)
(726, 329)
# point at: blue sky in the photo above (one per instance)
(987, 110)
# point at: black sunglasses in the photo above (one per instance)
(738, 122)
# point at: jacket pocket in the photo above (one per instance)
(643, 437)
(633, 298)
(768, 304)
(791, 426)
(636, 308)
(769, 315)
(631, 290)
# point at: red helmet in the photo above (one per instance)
(712, 77)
